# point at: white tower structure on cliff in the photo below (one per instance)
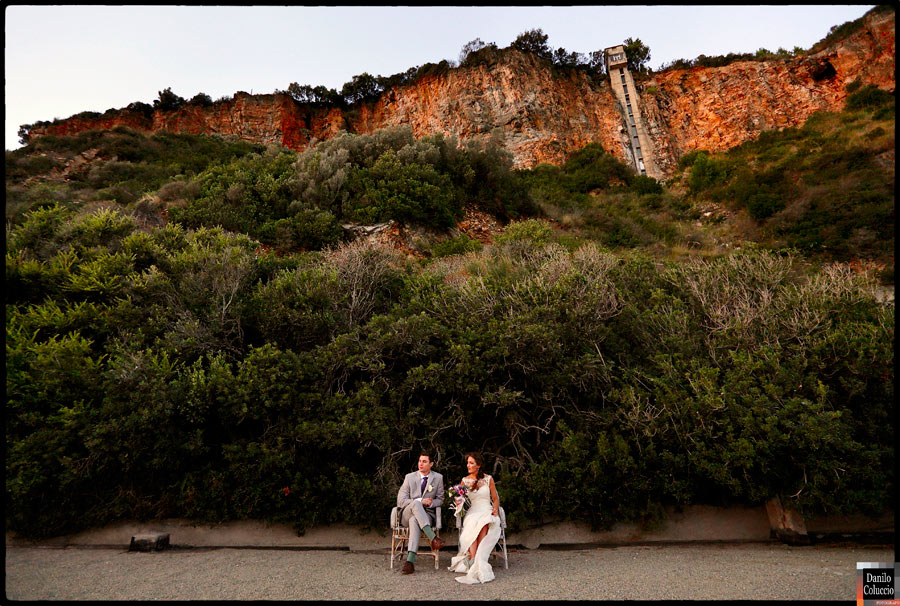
(623, 86)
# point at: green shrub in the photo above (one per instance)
(688, 159)
(241, 196)
(124, 166)
(536, 231)
(105, 227)
(592, 168)
(459, 245)
(308, 228)
(296, 308)
(39, 232)
(49, 385)
(761, 205)
(390, 189)
(868, 97)
(168, 101)
(340, 175)
(643, 185)
(706, 173)
(201, 99)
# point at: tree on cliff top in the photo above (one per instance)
(470, 47)
(312, 94)
(533, 41)
(168, 100)
(638, 55)
(361, 87)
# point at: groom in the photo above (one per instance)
(420, 493)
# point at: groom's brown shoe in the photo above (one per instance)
(408, 568)
(436, 543)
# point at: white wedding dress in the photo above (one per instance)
(477, 516)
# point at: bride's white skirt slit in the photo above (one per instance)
(480, 570)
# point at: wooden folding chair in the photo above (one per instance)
(400, 536)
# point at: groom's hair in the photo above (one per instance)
(426, 454)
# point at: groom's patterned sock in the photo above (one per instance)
(428, 532)
(411, 558)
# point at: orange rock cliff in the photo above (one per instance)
(543, 116)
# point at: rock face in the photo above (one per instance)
(720, 108)
(543, 116)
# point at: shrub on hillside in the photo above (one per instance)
(592, 168)
(459, 245)
(706, 172)
(642, 185)
(391, 175)
(124, 165)
(537, 232)
(412, 193)
(307, 229)
(868, 97)
(201, 99)
(241, 196)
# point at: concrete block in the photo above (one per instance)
(151, 541)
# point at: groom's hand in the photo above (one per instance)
(427, 501)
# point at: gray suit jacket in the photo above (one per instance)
(411, 489)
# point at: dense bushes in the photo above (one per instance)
(412, 193)
(168, 101)
(179, 372)
(123, 166)
(585, 170)
(243, 196)
(286, 200)
(602, 200)
(761, 54)
(392, 175)
(869, 96)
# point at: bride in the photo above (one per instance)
(481, 525)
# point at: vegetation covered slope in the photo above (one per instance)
(618, 353)
(826, 188)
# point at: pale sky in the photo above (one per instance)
(62, 60)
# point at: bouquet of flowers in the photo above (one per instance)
(459, 497)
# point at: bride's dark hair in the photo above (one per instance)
(480, 462)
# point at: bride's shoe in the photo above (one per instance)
(466, 580)
(461, 565)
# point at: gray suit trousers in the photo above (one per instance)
(416, 517)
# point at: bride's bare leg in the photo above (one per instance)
(474, 546)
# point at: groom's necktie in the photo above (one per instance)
(424, 484)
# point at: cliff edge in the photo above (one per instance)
(543, 114)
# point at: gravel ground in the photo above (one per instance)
(704, 571)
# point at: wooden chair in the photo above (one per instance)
(500, 547)
(400, 537)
